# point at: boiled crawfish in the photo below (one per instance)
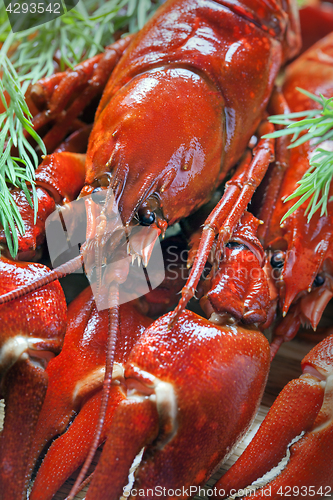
(189, 49)
(158, 389)
(300, 250)
(182, 57)
(299, 247)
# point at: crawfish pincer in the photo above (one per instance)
(165, 384)
(73, 397)
(179, 382)
(302, 410)
(186, 390)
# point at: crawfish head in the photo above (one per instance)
(159, 147)
(170, 124)
(302, 264)
(306, 265)
(157, 150)
(239, 289)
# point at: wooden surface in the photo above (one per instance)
(285, 367)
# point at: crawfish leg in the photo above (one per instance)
(86, 81)
(226, 215)
(77, 142)
(278, 106)
(59, 179)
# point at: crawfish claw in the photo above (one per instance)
(183, 382)
(303, 408)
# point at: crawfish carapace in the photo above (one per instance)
(73, 397)
(187, 389)
(172, 121)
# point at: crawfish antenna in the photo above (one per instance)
(110, 353)
(61, 271)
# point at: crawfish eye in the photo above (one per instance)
(319, 280)
(277, 260)
(146, 217)
(98, 195)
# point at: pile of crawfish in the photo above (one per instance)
(180, 139)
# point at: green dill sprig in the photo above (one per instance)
(29, 55)
(77, 35)
(16, 171)
(314, 125)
